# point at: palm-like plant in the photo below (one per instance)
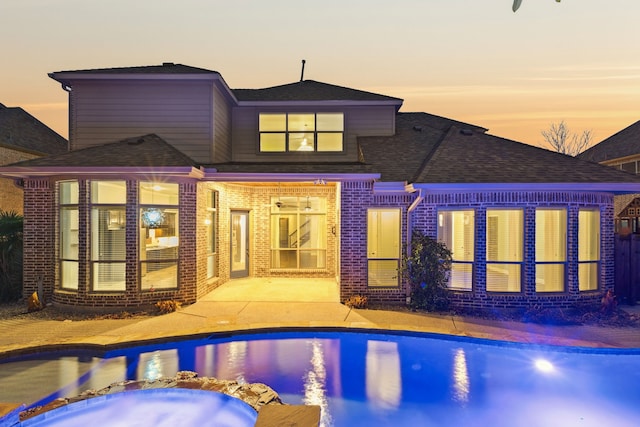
(10, 256)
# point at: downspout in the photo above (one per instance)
(411, 208)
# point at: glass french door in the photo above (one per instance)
(239, 244)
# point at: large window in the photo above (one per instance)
(211, 222)
(588, 249)
(456, 231)
(504, 249)
(159, 235)
(298, 232)
(383, 247)
(68, 237)
(108, 241)
(551, 249)
(282, 132)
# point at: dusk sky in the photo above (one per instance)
(470, 60)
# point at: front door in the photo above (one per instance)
(239, 244)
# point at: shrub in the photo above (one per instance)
(356, 301)
(426, 269)
(10, 256)
(167, 306)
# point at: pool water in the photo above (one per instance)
(378, 379)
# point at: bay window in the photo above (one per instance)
(68, 237)
(108, 241)
(158, 235)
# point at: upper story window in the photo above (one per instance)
(290, 132)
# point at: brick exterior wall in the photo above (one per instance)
(41, 252)
(358, 196)
(11, 196)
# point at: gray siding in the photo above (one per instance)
(180, 113)
(221, 128)
(359, 121)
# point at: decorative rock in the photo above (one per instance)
(256, 395)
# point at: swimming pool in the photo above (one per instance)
(378, 379)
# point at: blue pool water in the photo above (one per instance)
(377, 379)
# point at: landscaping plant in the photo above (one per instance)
(426, 268)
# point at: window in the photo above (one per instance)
(383, 247)
(631, 212)
(298, 232)
(108, 240)
(456, 231)
(159, 235)
(289, 132)
(505, 243)
(68, 237)
(551, 249)
(588, 249)
(211, 222)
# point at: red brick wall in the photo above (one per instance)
(358, 196)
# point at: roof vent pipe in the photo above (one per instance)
(302, 72)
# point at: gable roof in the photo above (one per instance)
(431, 149)
(309, 90)
(141, 151)
(622, 144)
(20, 130)
(165, 68)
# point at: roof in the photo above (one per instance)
(431, 149)
(622, 144)
(165, 68)
(21, 130)
(309, 90)
(141, 151)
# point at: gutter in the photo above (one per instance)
(411, 208)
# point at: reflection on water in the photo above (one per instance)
(460, 377)
(373, 379)
(384, 383)
(315, 392)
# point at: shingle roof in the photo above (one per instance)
(165, 68)
(141, 151)
(295, 167)
(21, 130)
(622, 144)
(309, 90)
(443, 151)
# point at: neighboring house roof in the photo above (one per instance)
(309, 90)
(20, 130)
(165, 68)
(622, 144)
(141, 151)
(621, 202)
(429, 149)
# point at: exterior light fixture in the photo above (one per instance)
(307, 208)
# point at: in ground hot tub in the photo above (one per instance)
(167, 407)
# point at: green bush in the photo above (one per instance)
(427, 270)
(10, 256)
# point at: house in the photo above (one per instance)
(621, 151)
(176, 183)
(22, 137)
